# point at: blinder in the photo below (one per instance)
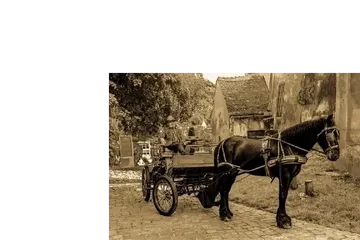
(330, 136)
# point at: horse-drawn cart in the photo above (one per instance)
(172, 175)
(279, 155)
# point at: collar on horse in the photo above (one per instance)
(283, 159)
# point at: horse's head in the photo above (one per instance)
(328, 139)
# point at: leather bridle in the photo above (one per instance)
(330, 136)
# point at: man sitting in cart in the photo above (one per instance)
(171, 137)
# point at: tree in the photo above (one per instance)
(147, 99)
(201, 93)
(141, 102)
(117, 114)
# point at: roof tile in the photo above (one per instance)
(245, 95)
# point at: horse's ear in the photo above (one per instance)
(330, 117)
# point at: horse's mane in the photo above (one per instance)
(303, 128)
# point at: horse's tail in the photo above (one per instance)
(218, 153)
(216, 157)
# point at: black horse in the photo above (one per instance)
(247, 154)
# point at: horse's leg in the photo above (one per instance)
(282, 219)
(228, 186)
(225, 187)
(222, 208)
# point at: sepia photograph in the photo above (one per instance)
(234, 155)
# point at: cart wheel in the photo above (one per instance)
(165, 196)
(145, 180)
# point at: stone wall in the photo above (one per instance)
(305, 96)
(240, 126)
(347, 117)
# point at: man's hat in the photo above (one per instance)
(170, 118)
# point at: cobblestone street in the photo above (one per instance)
(133, 218)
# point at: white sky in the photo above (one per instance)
(213, 71)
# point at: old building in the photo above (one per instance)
(240, 104)
(300, 97)
(347, 116)
(297, 97)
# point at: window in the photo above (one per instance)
(256, 133)
(280, 100)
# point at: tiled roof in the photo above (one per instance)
(245, 95)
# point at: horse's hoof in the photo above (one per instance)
(287, 226)
(223, 218)
(229, 215)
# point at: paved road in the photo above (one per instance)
(133, 218)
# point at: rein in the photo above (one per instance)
(312, 149)
(292, 145)
(280, 148)
(241, 171)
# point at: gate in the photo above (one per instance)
(125, 157)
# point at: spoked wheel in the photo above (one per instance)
(145, 180)
(165, 196)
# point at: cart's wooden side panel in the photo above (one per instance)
(191, 160)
